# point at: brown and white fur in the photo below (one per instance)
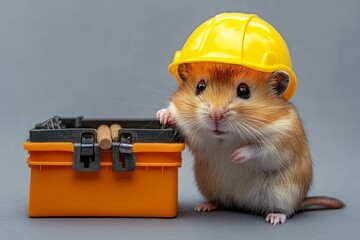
(250, 154)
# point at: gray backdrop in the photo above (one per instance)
(109, 59)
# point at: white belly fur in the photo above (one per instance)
(241, 186)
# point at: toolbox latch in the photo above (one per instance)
(122, 156)
(86, 154)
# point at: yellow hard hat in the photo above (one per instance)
(237, 38)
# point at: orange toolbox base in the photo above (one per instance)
(150, 190)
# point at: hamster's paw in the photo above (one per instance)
(205, 207)
(242, 154)
(276, 218)
(165, 117)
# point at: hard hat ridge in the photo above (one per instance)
(237, 38)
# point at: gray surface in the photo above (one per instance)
(109, 59)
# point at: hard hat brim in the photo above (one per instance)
(287, 95)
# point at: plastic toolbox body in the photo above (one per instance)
(71, 176)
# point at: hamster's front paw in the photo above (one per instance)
(242, 154)
(165, 117)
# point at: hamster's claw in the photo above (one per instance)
(205, 207)
(165, 117)
(276, 218)
(242, 154)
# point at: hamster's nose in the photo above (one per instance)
(216, 116)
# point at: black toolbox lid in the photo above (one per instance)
(59, 129)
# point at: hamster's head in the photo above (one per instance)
(225, 101)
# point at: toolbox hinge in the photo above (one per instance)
(123, 157)
(86, 154)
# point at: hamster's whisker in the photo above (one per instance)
(156, 90)
(269, 126)
(191, 105)
(238, 131)
(140, 104)
(242, 130)
(252, 131)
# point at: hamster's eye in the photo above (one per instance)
(200, 87)
(243, 91)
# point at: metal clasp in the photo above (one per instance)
(122, 152)
(86, 154)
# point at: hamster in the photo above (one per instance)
(250, 149)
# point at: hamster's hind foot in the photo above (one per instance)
(276, 218)
(205, 207)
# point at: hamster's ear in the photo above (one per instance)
(183, 70)
(279, 80)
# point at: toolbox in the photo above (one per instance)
(71, 176)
